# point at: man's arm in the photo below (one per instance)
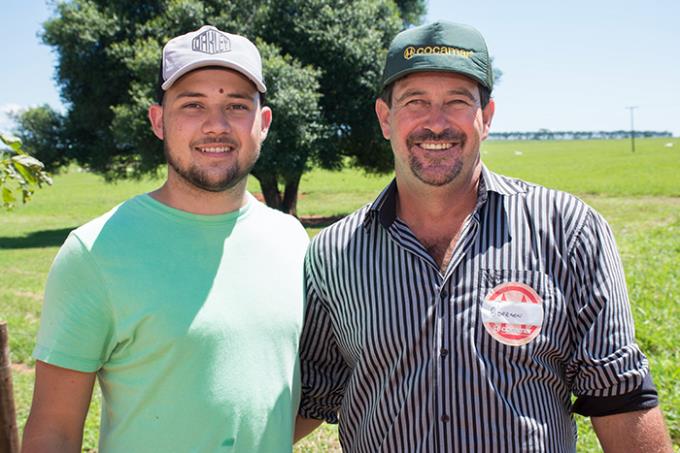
(61, 398)
(632, 432)
(304, 427)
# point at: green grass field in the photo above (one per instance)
(638, 193)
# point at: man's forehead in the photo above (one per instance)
(434, 78)
(230, 81)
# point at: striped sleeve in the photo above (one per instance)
(606, 360)
(323, 369)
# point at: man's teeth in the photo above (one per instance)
(214, 149)
(436, 146)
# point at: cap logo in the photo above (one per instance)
(211, 42)
(410, 51)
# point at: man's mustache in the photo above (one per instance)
(447, 135)
(222, 140)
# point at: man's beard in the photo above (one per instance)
(201, 178)
(418, 167)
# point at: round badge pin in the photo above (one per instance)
(512, 313)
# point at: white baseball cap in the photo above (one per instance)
(209, 46)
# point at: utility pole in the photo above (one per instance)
(632, 126)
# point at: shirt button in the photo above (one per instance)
(445, 295)
(444, 418)
(443, 352)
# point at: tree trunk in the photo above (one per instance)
(290, 195)
(270, 191)
(9, 435)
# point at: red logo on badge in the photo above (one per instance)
(512, 313)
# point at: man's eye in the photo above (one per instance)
(192, 105)
(238, 107)
(416, 103)
(459, 102)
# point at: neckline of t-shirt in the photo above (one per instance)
(214, 219)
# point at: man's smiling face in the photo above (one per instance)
(212, 126)
(435, 124)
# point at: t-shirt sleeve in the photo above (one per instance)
(323, 368)
(607, 362)
(76, 322)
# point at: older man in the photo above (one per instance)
(185, 302)
(462, 309)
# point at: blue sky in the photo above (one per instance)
(572, 65)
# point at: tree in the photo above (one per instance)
(18, 172)
(322, 62)
(347, 41)
(299, 128)
(411, 10)
(41, 135)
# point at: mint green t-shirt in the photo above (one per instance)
(191, 323)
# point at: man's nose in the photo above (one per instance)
(437, 120)
(216, 122)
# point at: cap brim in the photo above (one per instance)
(408, 71)
(214, 62)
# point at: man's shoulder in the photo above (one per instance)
(273, 214)
(344, 230)
(277, 222)
(90, 231)
(547, 208)
(535, 195)
(81, 250)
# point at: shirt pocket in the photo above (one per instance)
(521, 319)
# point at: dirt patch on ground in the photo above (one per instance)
(314, 221)
(22, 368)
(310, 221)
(29, 295)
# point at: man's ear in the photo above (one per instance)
(155, 114)
(382, 110)
(487, 116)
(265, 121)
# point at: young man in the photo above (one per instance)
(462, 309)
(185, 303)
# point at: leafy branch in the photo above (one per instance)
(19, 172)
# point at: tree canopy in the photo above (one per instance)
(322, 61)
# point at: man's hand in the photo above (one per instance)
(61, 398)
(304, 427)
(631, 432)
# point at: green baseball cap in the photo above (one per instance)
(439, 46)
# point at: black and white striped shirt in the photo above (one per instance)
(485, 357)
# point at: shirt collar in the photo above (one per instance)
(384, 208)
(493, 182)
